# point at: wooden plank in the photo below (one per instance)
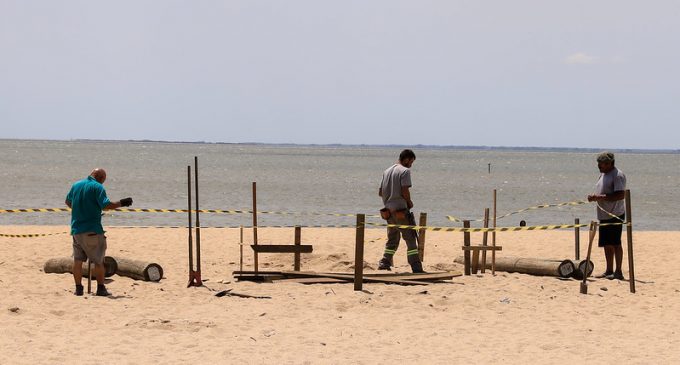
(282, 248)
(424, 277)
(312, 281)
(364, 278)
(482, 248)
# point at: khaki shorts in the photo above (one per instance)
(89, 245)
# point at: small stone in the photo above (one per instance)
(604, 288)
(424, 292)
(14, 309)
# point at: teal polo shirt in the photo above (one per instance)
(88, 199)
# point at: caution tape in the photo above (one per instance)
(35, 210)
(497, 229)
(31, 235)
(153, 210)
(542, 206)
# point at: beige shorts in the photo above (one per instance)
(89, 245)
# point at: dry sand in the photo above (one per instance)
(510, 318)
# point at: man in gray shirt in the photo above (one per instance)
(394, 190)
(609, 195)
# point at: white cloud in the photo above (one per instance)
(581, 58)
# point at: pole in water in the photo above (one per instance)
(489, 168)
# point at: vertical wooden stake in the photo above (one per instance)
(298, 241)
(198, 223)
(577, 239)
(485, 238)
(255, 224)
(629, 232)
(493, 236)
(191, 242)
(421, 236)
(240, 246)
(466, 242)
(89, 276)
(359, 254)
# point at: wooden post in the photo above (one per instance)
(240, 246)
(194, 275)
(198, 223)
(191, 242)
(89, 276)
(485, 238)
(298, 239)
(629, 232)
(255, 224)
(359, 253)
(466, 242)
(421, 236)
(577, 239)
(493, 236)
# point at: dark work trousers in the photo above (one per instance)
(393, 237)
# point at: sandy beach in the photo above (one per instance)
(509, 318)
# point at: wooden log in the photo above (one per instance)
(580, 267)
(139, 270)
(63, 265)
(531, 266)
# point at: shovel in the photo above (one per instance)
(593, 230)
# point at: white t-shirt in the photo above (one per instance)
(614, 180)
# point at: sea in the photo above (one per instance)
(315, 184)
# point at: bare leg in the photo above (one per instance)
(99, 273)
(609, 257)
(78, 272)
(618, 252)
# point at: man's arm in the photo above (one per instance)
(68, 203)
(615, 196)
(406, 194)
(380, 191)
(113, 205)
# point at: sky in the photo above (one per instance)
(595, 74)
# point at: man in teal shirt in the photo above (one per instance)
(87, 198)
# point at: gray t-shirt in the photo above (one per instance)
(608, 183)
(393, 180)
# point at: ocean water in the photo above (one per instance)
(325, 179)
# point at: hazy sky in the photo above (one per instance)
(601, 74)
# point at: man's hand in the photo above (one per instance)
(126, 202)
(409, 204)
(594, 198)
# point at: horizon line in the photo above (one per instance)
(419, 145)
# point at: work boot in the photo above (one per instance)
(101, 291)
(79, 291)
(417, 268)
(618, 275)
(384, 264)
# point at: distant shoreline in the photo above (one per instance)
(340, 145)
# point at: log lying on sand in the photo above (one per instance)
(63, 265)
(139, 270)
(580, 268)
(541, 267)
